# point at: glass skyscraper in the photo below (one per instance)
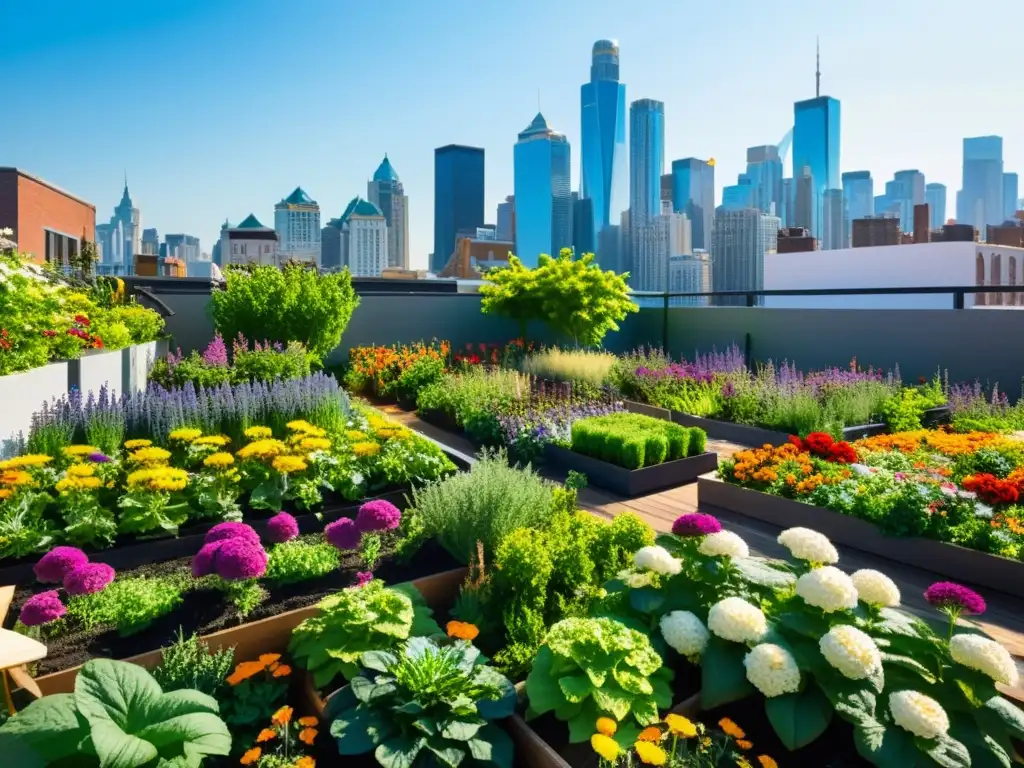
(816, 145)
(1010, 191)
(738, 247)
(980, 199)
(906, 190)
(543, 221)
(740, 195)
(935, 196)
(693, 193)
(646, 159)
(603, 138)
(764, 169)
(858, 198)
(458, 197)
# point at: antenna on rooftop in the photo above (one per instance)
(817, 67)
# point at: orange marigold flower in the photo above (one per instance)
(266, 659)
(307, 735)
(308, 762)
(244, 671)
(462, 630)
(282, 671)
(767, 762)
(282, 717)
(731, 729)
(652, 733)
(251, 756)
(266, 735)
(307, 721)
(744, 744)
(606, 726)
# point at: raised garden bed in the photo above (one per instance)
(949, 560)
(631, 482)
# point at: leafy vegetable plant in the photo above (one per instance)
(427, 700)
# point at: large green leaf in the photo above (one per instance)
(613, 700)
(462, 730)
(575, 687)
(116, 692)
(987, 749)
(447, 754)
(400, 752)
(48, 728)
(946, 751)
(887, 747)
(799, 718)
(645, 710)
(379, 661)
(647, 600)
(117, 749)
(723, 676)
(763, 572)
(541, 687)
(492, 745)
(910, 663)
(632, 681)
(1010, 716)
(359, 730)
(505, 704)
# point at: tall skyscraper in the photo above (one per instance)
(666, 187)
(297, 221)
(654, 244)
(1010, 190)
(980, 199)
(833, 221)
(693, 193)
(935, 196)
(807, 203)
(646, 159)
(816, 142)
(120, 240)
(858, 198)
(458, 197)
(181, 246)
(150, 242)
(787, 203)
(740, 241)
(603, 138)
(764, 169)
(689, 274)
(583, 225)
(543, 196)
(505, 230)
(386, 192)
(740, 195)
(364, 238)
(906, 190)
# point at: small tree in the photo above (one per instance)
(510, 292)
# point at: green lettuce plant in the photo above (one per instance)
(591, 668)
(357, 620)
(118, 717)
(427, 704)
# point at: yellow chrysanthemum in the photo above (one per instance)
(262, 449)
(365, 449)
(133, 445)
(258, 433)
(219, 460)
(80, 450)
(607, 726)
(150, 456)
(355, 435)
(185, 434)
(315, 444)
(217, 441)
(299, 425)
(15, 477)
(161, 479)
(28, 460)
(81, 470)
(680, 726)
(288, 464)
(650, 754)
(73, 483)
(605, 746)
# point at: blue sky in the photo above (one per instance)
(219, 108)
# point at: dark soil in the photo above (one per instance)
(207, 610)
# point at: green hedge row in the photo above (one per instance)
(633, 441)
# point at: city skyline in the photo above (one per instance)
(206, 171)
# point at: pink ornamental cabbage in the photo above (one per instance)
(696, 524)
(282, 527)
(58, 563)
(343, 534)
(42, 609)
(202, 562)
(239, 559)
(89, 578)
(222, 531)
(378, 515)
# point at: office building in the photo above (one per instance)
(646, 159)
(184, 248)
(816, 143)
(249, 243)
(1010, 191)
(793, 239)
(876, 230)
(833, 228)
(47, 223)
(956, 233)
(297, 222)
(922, 223)
(385, 190)
(150, 242)
(787, 203)
(1010, 233)
(935, 196)
(603, 140)
(458, 197)
(906, 190)
(740, 242)
(806, 208)
(363, 238)
(666, 187)
(693, 193)
(690, 273)
(858, 198)
(542, 170)
(583, 225)
(739, 195)
(654, 243)
(506, 226)
(215, 254)
(980, 199)
(120, 239)
(764, 174)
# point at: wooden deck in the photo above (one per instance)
(1003, 621)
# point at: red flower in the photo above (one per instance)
(819, 443)
(494, 356)
(473, 359)
(82, 320)
(842, 453)
(798, 443)
(483, 346)
(49, 334)
(97, 342)
(991, 489)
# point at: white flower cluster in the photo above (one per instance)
(657, 559)
(684, 632)
(850, 651)
(724, 543)
(921, 715)
(737, 620)
(805, 544)
(984, 655)
(827, 588)
(634, 579)
(772, 670)
(6, 231)
(876, 588)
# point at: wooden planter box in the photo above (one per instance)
(631, 482)
(949, 560)
(270, 635)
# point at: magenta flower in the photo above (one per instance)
(58, 563)
(378, 515)
(98, 458)
(343, 534)
(696, 524)
(222, 531)
(202, 562)
(42, 609)
(237, 559)
(282, 527)
(89, 578)
(956, 598)
(363, 578)
(216, 353)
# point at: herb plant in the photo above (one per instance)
(423, 705)
(189, 663)
(301, 560)
(129, 603)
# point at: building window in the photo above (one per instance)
(59, 248)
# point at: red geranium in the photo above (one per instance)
(819, 443)
(822, 445)
(82, 320)
(49, 334)
(842, 453)
(991, 489)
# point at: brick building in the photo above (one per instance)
(48, 222)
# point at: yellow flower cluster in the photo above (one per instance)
(262, 449)
(365, 449)
(160, 479)
(258, 433)
(151, 456)
(355, 435)
(305, 428)
(217, 441)
(28, 460)
(79, 477)
(75, 451)
(185, 434)
(288, 464)
(946, 443)
(219, 460)
(14, 478)
(132, 445)
(392, 432)
(311, 444)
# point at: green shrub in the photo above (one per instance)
(267, 364)
(143, 324)
(633, 441)
(130, 603)
(189, 663)
(287, 304)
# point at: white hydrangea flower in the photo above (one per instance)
(684, 632)
(724, 543)
(737, 620)
(827, 588)
(772, 670)
(876, 588)
(805, 544)
(984, 655)
(657, 559)
(921, 715)
(850, 651)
